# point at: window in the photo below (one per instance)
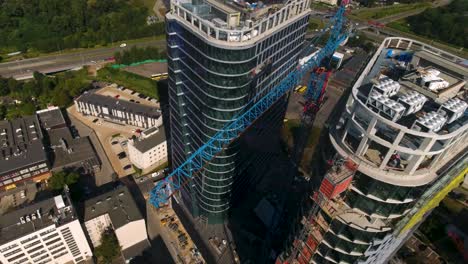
(16, 257)
(28, 239)
(53, 241)
(32, 244)
(12, 253)
(35, 249)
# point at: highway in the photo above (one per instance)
(23, 69)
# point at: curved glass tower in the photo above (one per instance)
(222, 54)
(394, 150)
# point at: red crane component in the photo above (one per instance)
(376, 24)
(311, 243)
(332, 190)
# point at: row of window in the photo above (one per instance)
(370, 206)
(385, 191)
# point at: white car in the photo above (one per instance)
(123, 45)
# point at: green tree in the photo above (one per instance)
(51, 25)
(59, 179)
(3, 111)
(4, 88)
(109, 248)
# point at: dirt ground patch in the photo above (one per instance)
(147, 69)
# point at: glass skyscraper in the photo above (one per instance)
(220, 55)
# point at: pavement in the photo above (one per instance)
(23, 69)
(105, 175)
(104, 131)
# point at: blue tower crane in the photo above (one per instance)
(164, 189)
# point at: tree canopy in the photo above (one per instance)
(109, 248)
(448, 23)
(59, 179)
(42, 91)
(51, 25)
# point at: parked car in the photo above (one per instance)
(95, 120)
(127, 167)
(114, 142)
(123, 45)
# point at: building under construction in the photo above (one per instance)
(221, 54)
(393, 150)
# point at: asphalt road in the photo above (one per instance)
(23, 69)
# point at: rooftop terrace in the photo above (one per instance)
(426, 97)
(237, 20)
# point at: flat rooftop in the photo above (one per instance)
(20, 144)
(437, 80)
(150, 142)
(91, 97)
(39, 215)
(69, 151)
(118, 203)
(51, 118)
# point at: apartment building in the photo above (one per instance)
(117, 210)
(150, 149)
(394, 149)
(22, 154)
(112, 109)
(65, 150)
(43, 232)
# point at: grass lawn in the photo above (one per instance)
(149, 4)
(401, 25)
(380, 12)
(320, 6)
(315, 23)
(129, 80)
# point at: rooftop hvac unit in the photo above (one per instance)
(432, 81)
(430, 122)
(412, 101)
(387, 87)
(452, 109)
(385, 106)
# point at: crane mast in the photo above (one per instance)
(164, 189)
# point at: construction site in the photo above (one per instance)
(388, 144)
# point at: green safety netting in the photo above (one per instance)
(118, 66)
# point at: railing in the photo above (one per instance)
(253, 31)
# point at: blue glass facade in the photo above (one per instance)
(208, 85)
